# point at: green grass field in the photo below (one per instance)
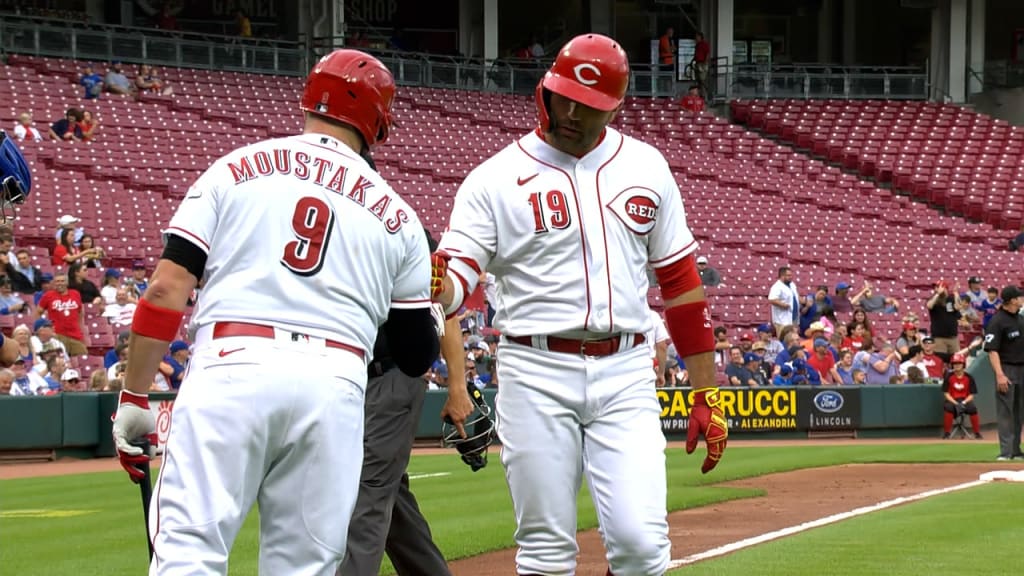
(95, 519)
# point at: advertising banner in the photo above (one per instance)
(769, 409)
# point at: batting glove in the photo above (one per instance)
(438, 271)
(706, 419)
(133, 420)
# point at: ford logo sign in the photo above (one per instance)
(828, 401)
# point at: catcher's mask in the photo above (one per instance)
(15, 178)
(479, 432)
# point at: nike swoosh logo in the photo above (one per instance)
(522, 181)
(224, 352)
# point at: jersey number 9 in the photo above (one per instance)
(312, 223)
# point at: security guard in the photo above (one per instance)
(1005, 347)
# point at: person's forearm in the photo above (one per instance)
(454, 356)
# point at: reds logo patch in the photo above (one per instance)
(637, 208)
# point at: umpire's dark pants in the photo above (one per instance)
(387, 518)
(1010, 412)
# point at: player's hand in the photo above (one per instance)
(438, 271)
(133, 420)
(659, 378)
(457, 408)
(706, 419)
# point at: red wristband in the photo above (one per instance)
(156, 322)
(689, 325)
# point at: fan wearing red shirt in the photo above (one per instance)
(823, 361)
(959, 389)
(936, 367)
(692, 101)
(63, 307)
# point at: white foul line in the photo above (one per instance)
(754, 540)
(434, 475)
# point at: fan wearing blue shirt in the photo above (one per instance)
(92, 82)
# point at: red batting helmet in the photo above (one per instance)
(352, 87)
(591, 69)
(958, 359)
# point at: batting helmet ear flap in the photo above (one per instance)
(543, 99)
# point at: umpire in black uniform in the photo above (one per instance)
(1004, 342)
(387, 517)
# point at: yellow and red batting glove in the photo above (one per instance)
(438, 271)
(707, 419)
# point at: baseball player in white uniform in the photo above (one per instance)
(305, 251)
(567, 218)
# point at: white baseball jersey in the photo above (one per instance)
(568, 238)
(286, 225)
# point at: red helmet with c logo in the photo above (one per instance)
(352, 87)
(591, 69)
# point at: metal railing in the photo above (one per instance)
(1003, 74)
(818, 81)
(63, 39)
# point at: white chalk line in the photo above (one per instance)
(433, 475)
(769, 536)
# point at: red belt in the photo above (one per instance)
(229, 329)
(605, 347)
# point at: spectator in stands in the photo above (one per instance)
(67, 253)
(113, 355)
(120, 313)
(138, 282)
(870, 300)
(746, 342)
(6, 382)
(785, 300)
(666, 50)
(148, 81)
(116, 82)
(944, 309)
(813, 305)
(772, 346)
(45, 284)
(116, 370)
(68, 222)
(71, 381)
(78, 280)
(987, 308)
(909, 337)
(56, 365)
(692, 102)
(815, 331)
(174, 364)
(26, 278)
(63, 307)
(737, 371)
(10, 303)
(26, 382)
(804, 374)
(88, 125)
(883, 365)
(784, 377)
(536, 48)
(88, 244)
(165, 20)
(24, 130)
(935, 368)
(243, 26)
(793, 349)
(701, 60)
(914, 375)
(1017, 241)
(913, 358)
(91, 82)
(844, 368)
(98, 381)
(44, 339)
(722, 346)
(861, 317)
(841, 300)
(958, 390)
(860, 377)
(677, 375)
(973, 298)
(752, 362)
(66, 129)
(111, 284)
(708, 275)
(823, 362)
(765, 366)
